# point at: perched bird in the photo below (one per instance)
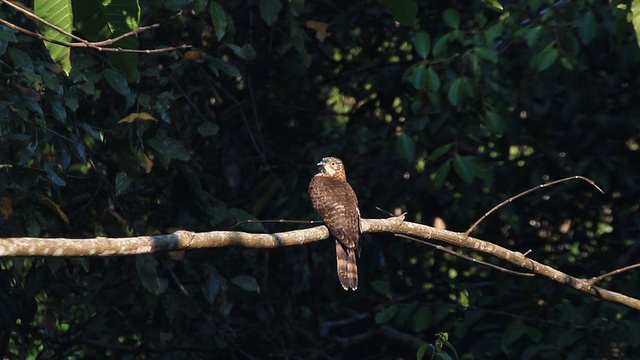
(334, 200)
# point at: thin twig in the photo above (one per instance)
(442, 248)
(591, 182)
(614, 272)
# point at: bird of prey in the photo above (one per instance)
(336, 202)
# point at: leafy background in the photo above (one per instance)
(440, 109)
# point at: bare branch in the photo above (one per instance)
(183, 240)
(611, 273)
(591, 182)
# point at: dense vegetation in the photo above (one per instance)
(441, 113)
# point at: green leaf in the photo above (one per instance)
(403, 11)
(442, 174)
(405, 312)
(146, 267)
(208, 129)
(211, 287)
(117, 81)
(419, 76)
(456, 92)
(169, 148)
(57, 12)
(6, 36)
(385, 315)
(52, 175)
(122, 182)
(91, 131)
(513, 332)
(421, 319)
(635, 18)
(532, 35)
(462, 168)
(440, 151)
(451, 17)
(218, 18)
(246, 52)
(226, 67)
(241, 215)
(246, 282)
(488, 53)
(382, 288)
(495, 123)
(269, 10)
(494, 3)
(440, 45)
(100, 20)
(543, 60)
(587, 27)
(422, 43)
(406, 147)
(297, 38)
(422, 350)
(20, 59)
(433, 79)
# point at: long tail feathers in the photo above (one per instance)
(346, 266)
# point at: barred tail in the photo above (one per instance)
(346, 266)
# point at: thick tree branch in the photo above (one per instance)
(183, 240)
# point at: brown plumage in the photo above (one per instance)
(337, 204)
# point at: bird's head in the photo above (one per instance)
(331, 166)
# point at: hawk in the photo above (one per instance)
(334, 200)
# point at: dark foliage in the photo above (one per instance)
(443, 121)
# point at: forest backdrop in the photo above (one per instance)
(438, 109)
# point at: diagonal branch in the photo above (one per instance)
(184, 240)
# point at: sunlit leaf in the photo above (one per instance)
(635, 18)
(59, 13)
(137, 117)
(320, 28)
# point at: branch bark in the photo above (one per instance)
(184, 240)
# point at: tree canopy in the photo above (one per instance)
(438, 109)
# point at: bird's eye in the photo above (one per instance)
(333, 163)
